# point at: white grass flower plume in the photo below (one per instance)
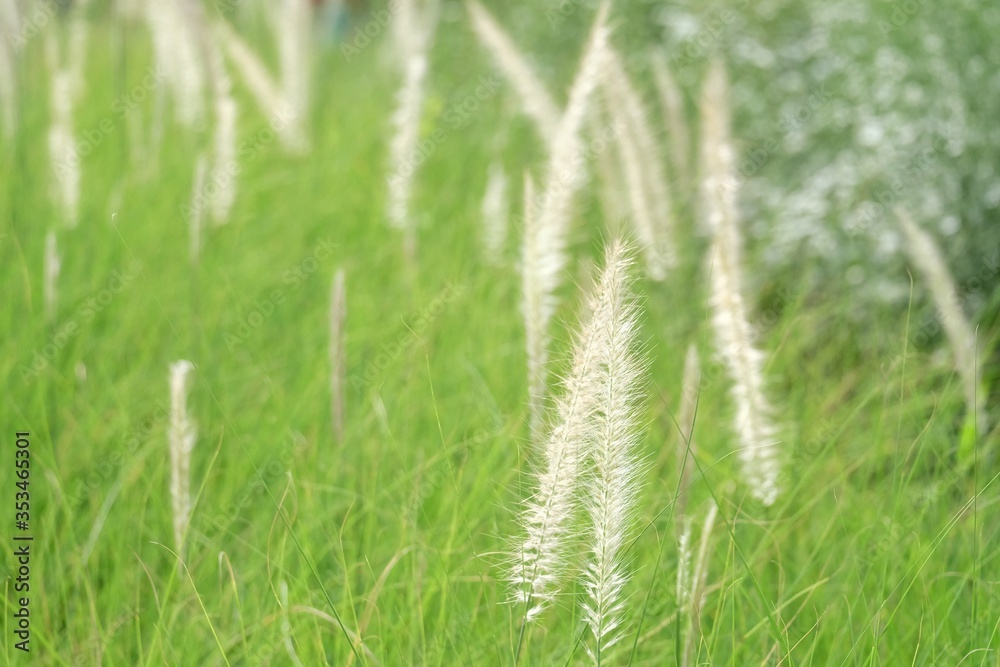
(544, 246)
(414, 32)
(645, 174)
(612, 489)
(930, 263)
(495, 211)
(733, 334)
(182, 436)
(546, 519)
(173, 25)
(535, 99)
(224, 146)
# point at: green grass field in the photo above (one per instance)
(389, 548)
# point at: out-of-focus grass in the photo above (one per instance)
(878, 553)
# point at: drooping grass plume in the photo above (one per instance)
(173, 25)
(645, 175)
(224, 171)
(734, 337)
(182, 436)
(717, 158)
(495, 211)
(67, 82)
(536, 305)
(51, 282)
(535, 99)
(294, 31)
(272, 96)
(338, 353)
(544, 246)
(9, 21)
(673, 108)
(540, 555)
(930, 263)
(612, 490)
(414, 32)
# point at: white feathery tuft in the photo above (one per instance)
(173, 24)
(295, 56)
(540, 556)
(535, 306)
(9, 20)
(51, 283)
(414, 34)
(612, 491)
(645, 175)
(270, 95)
(495, 211)
(224, 165)
(544, 245)
(673, 108)
(338, 353)
(930, 262)
(62, 149)
(535, 99)
(182, 436)
(733, 333)
(684, 564)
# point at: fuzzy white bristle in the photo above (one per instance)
(734, 336)
(182, 436)
(612, 490)
(539, 557)
(414, 31)
(495, 211)
(930, 262)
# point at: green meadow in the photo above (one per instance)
(392, 545)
